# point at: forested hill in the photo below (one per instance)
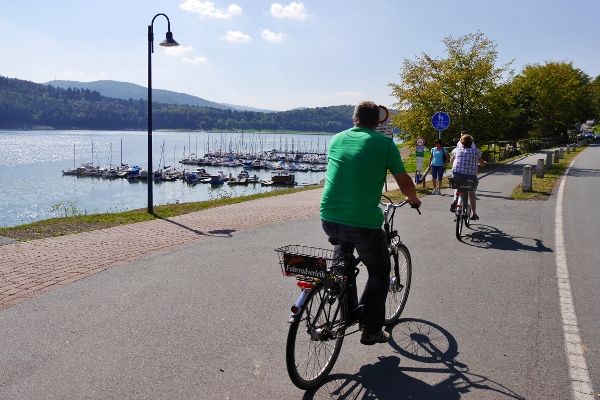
(25, 105)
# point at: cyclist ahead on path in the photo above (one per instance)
(358, 161)
(465, 159)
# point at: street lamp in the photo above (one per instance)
(168, 42)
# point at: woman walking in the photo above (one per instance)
(437, 162)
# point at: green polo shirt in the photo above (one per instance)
(358, 161)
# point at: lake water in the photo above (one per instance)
(33, 188)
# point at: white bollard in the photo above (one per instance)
(548, 160)
(527, 178)
(539, 169)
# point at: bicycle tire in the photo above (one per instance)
(322, 337)
(468, 216)
(399, 284)
(459, 225)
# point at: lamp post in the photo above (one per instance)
(168, 42)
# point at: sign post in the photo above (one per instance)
(419, 154)
(440, 121)
(384, 128)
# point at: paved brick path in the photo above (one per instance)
(29, 268)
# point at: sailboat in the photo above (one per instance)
(73, 171)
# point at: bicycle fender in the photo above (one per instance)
(299, 303)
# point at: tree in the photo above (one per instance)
(594, 93)
(555, 96)
(464, 84)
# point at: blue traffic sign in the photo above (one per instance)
(440, 121)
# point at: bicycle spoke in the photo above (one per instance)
(314, 341)
(400, 277)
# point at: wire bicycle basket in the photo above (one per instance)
(305, 262)
(462, 183)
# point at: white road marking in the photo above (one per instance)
(581, 384)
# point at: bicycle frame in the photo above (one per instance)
(463, 211)
(327, 306)
(351, 262)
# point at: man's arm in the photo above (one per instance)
(407, 187)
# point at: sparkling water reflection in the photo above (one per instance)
(33, 188)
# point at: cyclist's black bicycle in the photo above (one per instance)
(463, 208)
(321, 316)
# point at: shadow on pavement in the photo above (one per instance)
(421, 341)
(486, 193)
(489, 237)
(215, 232)
(584, 172)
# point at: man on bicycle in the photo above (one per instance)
(465, 159)
(358, 161)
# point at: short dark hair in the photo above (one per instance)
(439, 141)
(366, 114)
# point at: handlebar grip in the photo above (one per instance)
(416, 207)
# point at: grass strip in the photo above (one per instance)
(541, 188)
(85, 223)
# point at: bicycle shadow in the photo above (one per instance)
(421, 341)
(490, 237)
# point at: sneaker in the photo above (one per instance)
(474, 217)
(453, 206)
(372, 338)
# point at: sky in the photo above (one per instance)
(280, 55)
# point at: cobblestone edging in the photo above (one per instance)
(30, 268)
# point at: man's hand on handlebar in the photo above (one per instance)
(414, 202)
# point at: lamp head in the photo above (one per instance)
(169, 41)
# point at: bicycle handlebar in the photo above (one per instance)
(402, 203)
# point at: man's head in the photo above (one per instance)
(438, 142)
(366, 115)
(466, 139)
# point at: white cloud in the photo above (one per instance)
(273, 37)
(195, 60)
(236, 37)
(178, 50)
(208, 9)
(292, 11)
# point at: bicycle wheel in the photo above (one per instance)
(467, 216)
(400, 277)
(459, 224)
(315, 337)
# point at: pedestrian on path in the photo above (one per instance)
(437, 162)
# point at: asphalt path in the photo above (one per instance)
(582, 233)
(209, 320)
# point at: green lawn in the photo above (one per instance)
(83, 222)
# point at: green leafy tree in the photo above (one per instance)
(594, 93)
(554, 97)
(465, 84)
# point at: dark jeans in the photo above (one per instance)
(371, 246)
